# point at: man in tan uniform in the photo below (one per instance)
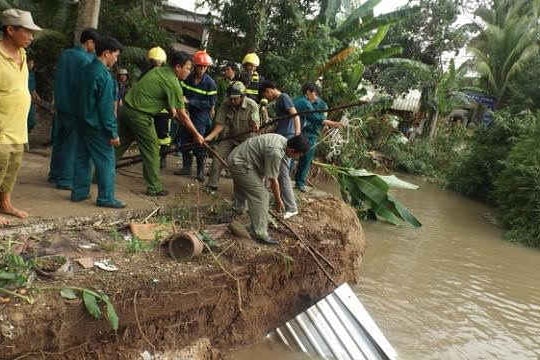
(17, 28)
(238, 118)
(250, 163)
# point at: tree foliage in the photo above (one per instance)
(423, 38)
(506, 43)
(475, 175)
(517, 190)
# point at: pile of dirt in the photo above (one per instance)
(232, 296)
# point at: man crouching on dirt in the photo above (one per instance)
(249, 163)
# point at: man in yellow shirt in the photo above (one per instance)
(17, 29)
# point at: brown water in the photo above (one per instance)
(453, 289)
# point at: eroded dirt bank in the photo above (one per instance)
(164, 305)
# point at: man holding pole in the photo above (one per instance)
(157, 90)
(238, 117)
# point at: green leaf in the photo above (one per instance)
(68, 293)
(376, 40)
(396, 183)
(111, 312)
(404, 213)
(90, 301)
(387, 215)
(4, 275)
(373, 56)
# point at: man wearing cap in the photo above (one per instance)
(122, 84)
(238, 117)
(17, 29)
(66, 89)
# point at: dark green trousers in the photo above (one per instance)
(136, 126)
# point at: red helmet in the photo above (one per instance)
(201, 57)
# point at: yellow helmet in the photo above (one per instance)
(157, 54)
(251, 58)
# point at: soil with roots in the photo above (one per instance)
(230, 296)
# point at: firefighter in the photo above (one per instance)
(162, 120)
(200, 91)
(250, 77)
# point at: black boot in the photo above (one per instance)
(200, 168)
(186, 165)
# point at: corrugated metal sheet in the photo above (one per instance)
(409, 102)
(336, 327)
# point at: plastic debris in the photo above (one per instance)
(106, 265)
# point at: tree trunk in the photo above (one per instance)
(433, 129)
(87, 16)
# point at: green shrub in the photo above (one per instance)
(474, 176)
(434, 158)
(517, 191)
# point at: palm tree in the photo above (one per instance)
(506, 42)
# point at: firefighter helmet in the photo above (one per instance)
(236, 89)
(157, 54)
(251, 58)
(201, 57)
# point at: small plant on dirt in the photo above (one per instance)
(287, 261)
(163, 219)
(15, 272)
(93, 302)
(115, 234)
(136, 245)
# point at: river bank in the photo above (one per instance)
(164, 304)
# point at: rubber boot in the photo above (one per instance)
(186, 165)
(200, 169)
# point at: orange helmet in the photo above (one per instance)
(201, 57)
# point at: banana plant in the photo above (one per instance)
(367, 191)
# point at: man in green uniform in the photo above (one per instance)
(239, 117)
(157, 90)
(96, 127)
(250, 163)
(66, 88)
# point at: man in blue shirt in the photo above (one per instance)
(312, 125)
(200, 91)
(96, 127)
(288, 125)
(66, 89)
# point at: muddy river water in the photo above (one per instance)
(452, 289)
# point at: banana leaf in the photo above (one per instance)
(364, 189)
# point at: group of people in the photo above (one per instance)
(97, 119)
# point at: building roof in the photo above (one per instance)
(409, 102)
